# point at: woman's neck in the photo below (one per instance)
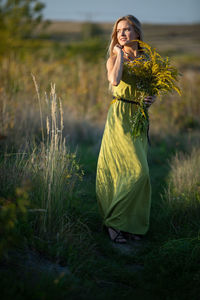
(130, 52)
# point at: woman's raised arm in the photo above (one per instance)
(115, 66)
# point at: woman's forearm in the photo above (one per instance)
(116, 73)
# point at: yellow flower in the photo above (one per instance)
(153, 75)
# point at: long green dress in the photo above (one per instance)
(123, 186)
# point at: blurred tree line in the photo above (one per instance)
(20, 18)
(22, 23)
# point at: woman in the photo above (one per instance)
(122, 184)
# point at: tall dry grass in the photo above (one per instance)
(182, 196)
(185, 176)
(53, 169)
(46, 165)
(173, 113)
(81, 85)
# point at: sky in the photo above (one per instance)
(147, 11)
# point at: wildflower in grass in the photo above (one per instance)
(153, 75)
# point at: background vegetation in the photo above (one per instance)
(53, 103)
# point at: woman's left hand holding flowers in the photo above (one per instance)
(149, 100)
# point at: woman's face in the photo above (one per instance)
(125, 33)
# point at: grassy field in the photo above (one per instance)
(54, 100)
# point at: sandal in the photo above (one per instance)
(116, 236)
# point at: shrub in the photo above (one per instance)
(13, 211)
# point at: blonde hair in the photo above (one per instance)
(133, 21)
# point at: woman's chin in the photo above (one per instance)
(122, 43)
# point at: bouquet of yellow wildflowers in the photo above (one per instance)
(153, 75)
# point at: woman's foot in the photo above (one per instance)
(116, 236)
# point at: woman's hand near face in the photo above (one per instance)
(117, 49)
(149, 100)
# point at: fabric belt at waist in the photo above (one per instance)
(125, 100)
